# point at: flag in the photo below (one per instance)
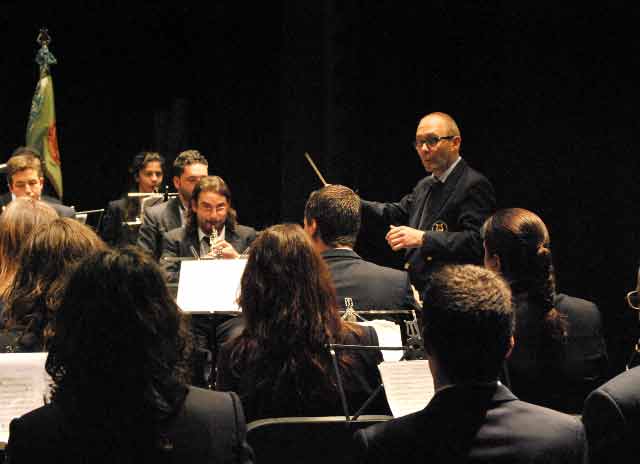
(41, 128)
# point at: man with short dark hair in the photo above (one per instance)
(332, 220)
(26, 179)
(468, 332)
(188, 168)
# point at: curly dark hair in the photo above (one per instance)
(119, 355)
(289, 305)
(216, 185)
(521, 241)
(139, 163)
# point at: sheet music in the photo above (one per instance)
(388, 335)
(210, 285)
(23, 386)
(407, 384)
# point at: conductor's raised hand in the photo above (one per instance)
(400, 237)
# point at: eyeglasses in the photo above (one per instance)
(431, 141)
(633, 299)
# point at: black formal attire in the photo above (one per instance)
(360, 380)
(156, 221)
(611, 417)
(557, 376)
(62, 210)
(113, 228)
(369, 286)
(179, 242)
(451, 213)
(210, 428)
(475, 423)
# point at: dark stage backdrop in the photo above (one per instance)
(544, 97)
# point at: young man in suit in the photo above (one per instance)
(188, 168)
(468, 333)
(26, 179)
(332, 220)
(439, 221)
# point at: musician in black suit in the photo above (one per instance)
(439, 222)
(468, 332)
(26, 179)
(212, 221)
(125, 399)
(332, 220)
(188, 168)
(146, 172)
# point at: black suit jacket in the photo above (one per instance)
(452, 220)
(113, 229)
(369, 286)
(62, 210)
(177, 243)
(210, 428)
(156, 221)
(612, 418)
(482, 423)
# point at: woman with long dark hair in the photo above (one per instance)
(560, 355)
(280, 364)
(120, 391)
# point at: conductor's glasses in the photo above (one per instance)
(430, 141)
(633, 299)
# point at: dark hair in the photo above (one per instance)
(139, 162)
(23, 158)
(186, 158)
(213, 184)
(46, 259)
(17, 221)
(521, 240)
(336, 210)
(118, 358)
(289, 305)
(468, 321)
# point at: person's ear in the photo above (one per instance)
(512, 343)
(176, 182)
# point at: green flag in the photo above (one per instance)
(41, 128)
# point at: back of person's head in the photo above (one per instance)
(468, 322)
(118, 356)
(336, 210)
(518, 241)
(286, 295)
(21, 159)
(46, 258)
(17, 221)
(186, 158)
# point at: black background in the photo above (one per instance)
(545, 99)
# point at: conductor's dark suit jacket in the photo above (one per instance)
(369, 286)
(482, 423)
(612, 418)
(210, 428)
(451, 214)
(62, 210)
(156, 221)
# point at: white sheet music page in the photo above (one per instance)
(23, 386)
(210, 285)
(407, 384)
(388, 333)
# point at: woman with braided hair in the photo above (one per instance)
(560, 354)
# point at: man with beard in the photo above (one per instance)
(211, 230)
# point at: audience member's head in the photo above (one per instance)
(46, 258)
(517, 245)
(17, 221)
(24, 173)
(468, 323)
(332, 216)
(188, 168)
(118, 358)
(147, 170)
(211, 205)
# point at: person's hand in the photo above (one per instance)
(400, 237)
(223, 249)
